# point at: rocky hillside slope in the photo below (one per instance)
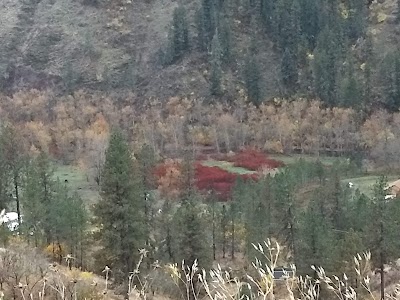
(114, 45)
(108, 44)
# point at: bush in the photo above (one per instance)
(254, 160)
(218, 180)
(213, 179)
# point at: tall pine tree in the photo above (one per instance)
(120, 214)
(216, 70)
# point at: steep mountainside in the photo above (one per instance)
(112, 44)
(116, 45)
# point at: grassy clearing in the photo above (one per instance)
(291, 159)
(366, 183)
(78, 182)
(227, 166)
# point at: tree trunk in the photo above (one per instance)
(213, 230)
(17, 201)
(233, 237)
(382, 260)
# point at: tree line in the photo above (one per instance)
(77, 128)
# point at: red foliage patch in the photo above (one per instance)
(214, 178)
(254, 160)
(218, 180)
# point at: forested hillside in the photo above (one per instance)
(342, 52)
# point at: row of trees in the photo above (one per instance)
(76, 128)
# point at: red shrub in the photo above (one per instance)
(254, 160)
(218, 180)
(212, 178)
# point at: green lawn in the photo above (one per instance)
(366, 183)
(286, 159)
(291, 159)
(228, 166)
(77, 182)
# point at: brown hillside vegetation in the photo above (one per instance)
(93, 44)
(76, 127)
(114, 45)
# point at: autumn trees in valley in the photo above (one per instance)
(76, 128)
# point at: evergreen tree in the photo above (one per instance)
(234, 213)
(279, 19)
(286, 210)
(226, 40)
(326, 57)
(350, 89)
(383, 227)
(317, 242)
(266, 11)
(191, 238)
(369, 64)
(359, 212)
(391, 69)
(216, 71)
(257, 228)
(33, 208)
(45, 172)
(247, 206)
(15, 159)
(206, 23)
(120, 212)
(36, 200)
(310, 21)
(178, 37)
(347, 248)
(147, 160)
(291, 47)
(192, 241)
(398, 11)
(180, 32)
(289, 71)
(213, 220)
(4, 180)
(224, 229)
(68, 218)
(252, 78)
(70, 76)
(164, 234)
(357, 19)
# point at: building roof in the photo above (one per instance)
(394, 184)
(281, 273)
